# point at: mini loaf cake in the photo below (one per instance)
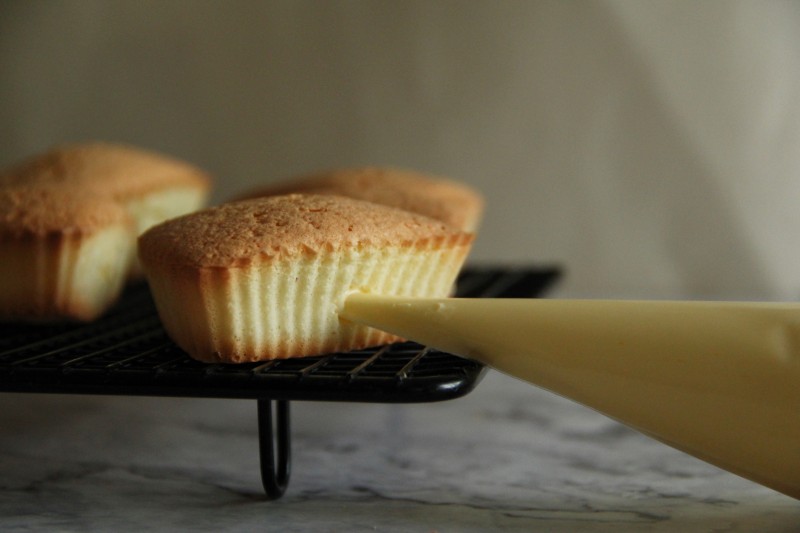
(69, 219)
(63, 254)
(443, 199)
(263, 279)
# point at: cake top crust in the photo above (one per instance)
(443, 199)
(38, 211)
(116, 170)
(285, 227)
(80, 188)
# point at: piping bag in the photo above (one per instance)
(717, 380)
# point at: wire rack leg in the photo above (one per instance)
(274, 447)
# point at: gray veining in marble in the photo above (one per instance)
(506, 457)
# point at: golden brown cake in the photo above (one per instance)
(263, 279)
(63, 254)
(443, 199)
(69, 219)
(153, 187)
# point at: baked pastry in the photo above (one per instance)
(63, 253)
(443, 199)
(262, 279)
(69, 219)
(152, 187)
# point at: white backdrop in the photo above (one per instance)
(651, 148)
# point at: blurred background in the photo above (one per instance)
(652, 149)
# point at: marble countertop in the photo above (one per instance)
(506, 457)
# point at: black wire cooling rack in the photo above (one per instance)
(127, 352)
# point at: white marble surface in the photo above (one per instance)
(506, 457)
